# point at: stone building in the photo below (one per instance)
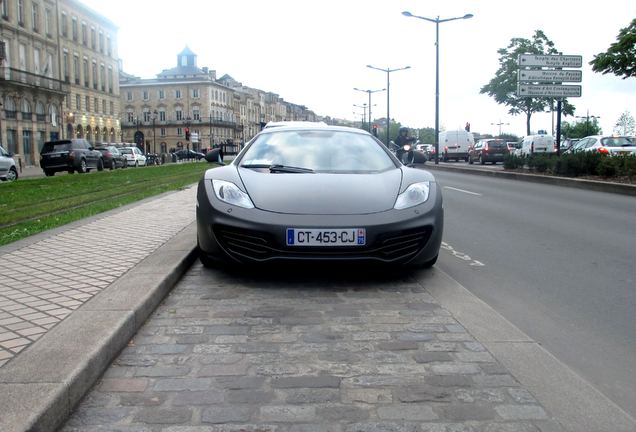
(58, 75)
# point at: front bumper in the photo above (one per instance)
(237, 235)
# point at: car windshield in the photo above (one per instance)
(56, 147)
(318, 151)
(616, 142)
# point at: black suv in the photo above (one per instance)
(70, 155)
(488, 150)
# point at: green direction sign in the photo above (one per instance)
(530, 90)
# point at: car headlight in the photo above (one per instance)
(415, 194)
(231, 194)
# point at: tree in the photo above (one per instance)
(620, 58)
(581, 129)
(625, 125)
(426, 135)
(503, 87)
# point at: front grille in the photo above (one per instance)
(248, 245)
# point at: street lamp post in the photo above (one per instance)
(369, 92)
(500, 124)
(587, 121)
(388, 117)
(437, 21)
(364, 112)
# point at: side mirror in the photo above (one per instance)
(213, 155)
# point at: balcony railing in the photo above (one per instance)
(23, 78)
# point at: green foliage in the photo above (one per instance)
(620, 58)
(426, 135)
(513, 162)
(30, 206)
(580, 129)
(503, 87)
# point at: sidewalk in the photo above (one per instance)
(61, 328)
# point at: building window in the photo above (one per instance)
(146, 115)
(130, 116)
(179, 114)
(74, 28)
(47, 22)
(96, 104)
(84, 35)
(21, 12)
(162, 116)
(109, 48)
(101, 42)
(5, 9)
(88, 103)
(86, 75)
(162, 132)
(63, 23)
(110, 79)
(177, 94)
(196, 114)
(76, 69)
(93, 38)
(78, 102)
(104, 106)
(145, 93)
(179, 131)
(129, 95)
(95, 83)
(35, 17)
(162, 94)
(195, 93)
(102, 76)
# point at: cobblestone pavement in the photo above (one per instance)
(265, 352)
(43, 282)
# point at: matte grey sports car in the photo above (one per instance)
(318, 193)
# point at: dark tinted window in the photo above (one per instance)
(497, 144)
(56, 146)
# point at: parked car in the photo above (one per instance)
(539, 143)
(71, 155)
(566, 144)
(134, 156)
(8, 171)
(187, 154)
(113, 158)
(488, 150)
(318, 193)
(606, 144)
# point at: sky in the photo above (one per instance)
(314, 53)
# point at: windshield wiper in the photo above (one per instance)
(277, 168)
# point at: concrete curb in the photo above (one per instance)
(40, 391)
(618, 188)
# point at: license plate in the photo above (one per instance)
(326, 237)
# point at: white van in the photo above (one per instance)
(454, 144)
(540, 143)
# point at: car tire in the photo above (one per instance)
(100, 164)
(481, 160)
(49, 173)
(12, 174)
(136, 164)
(470, 160)
(81, 169)
(205, 259)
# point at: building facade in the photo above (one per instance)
(188, 107)
(58, 75)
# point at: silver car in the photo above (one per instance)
(8, 171)
(609, 145)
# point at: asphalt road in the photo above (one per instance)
(557, 262)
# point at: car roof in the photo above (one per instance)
(293, 123)
(313, 126)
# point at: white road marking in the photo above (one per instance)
(462, 256)
(462, 190)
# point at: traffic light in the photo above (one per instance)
(467, 127)
(375, 130)
(187, 134)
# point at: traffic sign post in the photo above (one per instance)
(534, 82)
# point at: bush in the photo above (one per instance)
(513, 162)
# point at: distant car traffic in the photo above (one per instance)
(8, 171)
(606, 144)
(318, 193)
(488, 150)
(72, 155)
(188, 154)
(134, 156)
(113, 158)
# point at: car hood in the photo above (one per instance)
(322, 193)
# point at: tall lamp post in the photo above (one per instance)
(364, 112)
(587, 121)
(500, 124)
(437, 21)
(369, 92)
(388, 118)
